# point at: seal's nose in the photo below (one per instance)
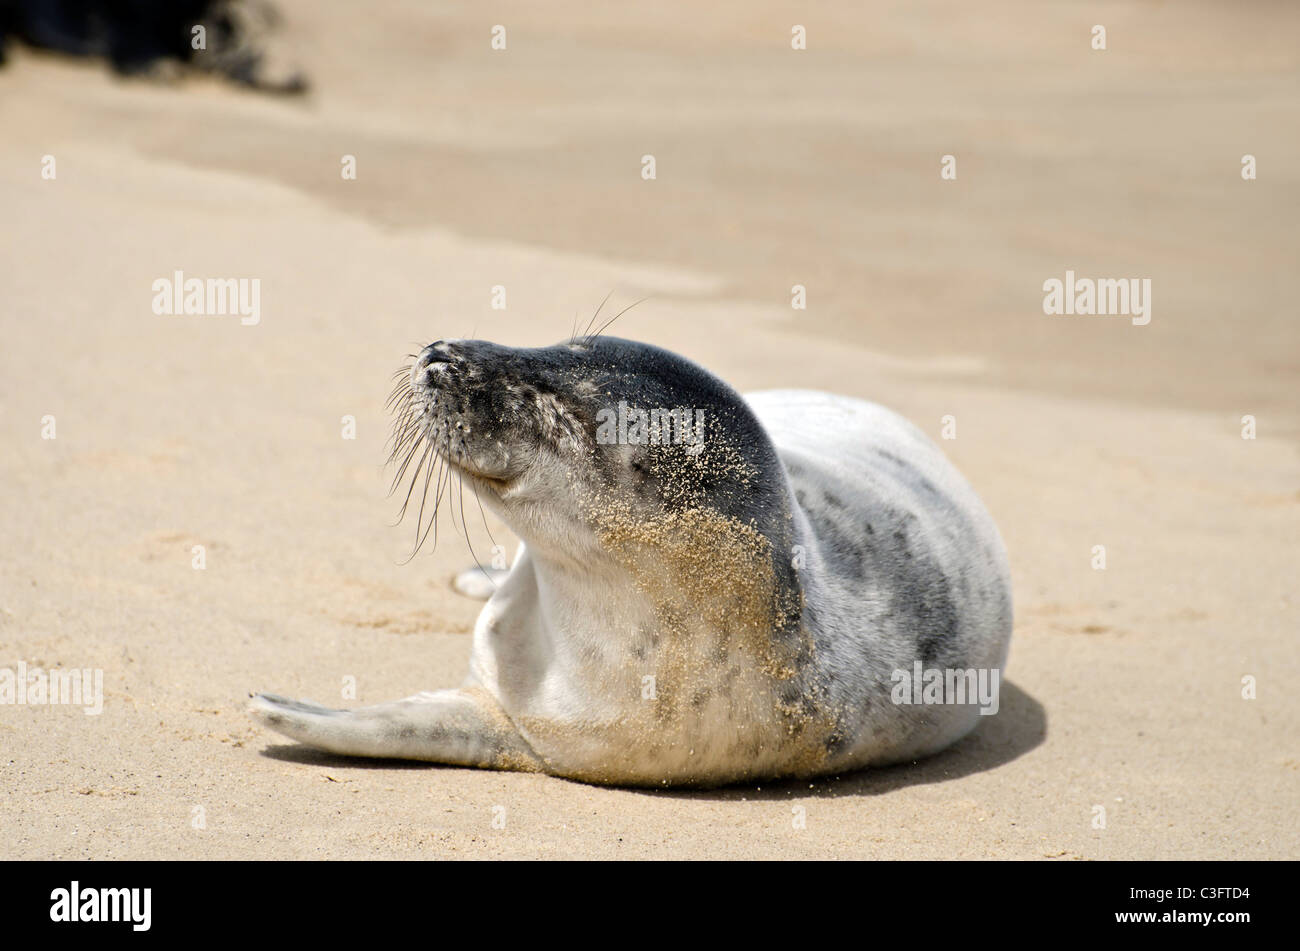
(440, 351)
(433, 359)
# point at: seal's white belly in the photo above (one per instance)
(592, 703)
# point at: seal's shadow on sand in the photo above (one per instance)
(308, 756)
(1019, 726)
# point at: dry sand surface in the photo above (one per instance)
(522, 168)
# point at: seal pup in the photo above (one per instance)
(734, 605)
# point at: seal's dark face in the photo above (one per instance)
(550, 437)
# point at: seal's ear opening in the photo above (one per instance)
(629, 470)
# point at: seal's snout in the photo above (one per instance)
(457, 406)
(435, 359)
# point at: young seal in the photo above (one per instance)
(691, 604)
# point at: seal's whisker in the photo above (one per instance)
(444, 475)
(419, 519)
(411, 432)
(401, 474)
(451, 501)
(420, 449)
(465, 527)
(415, 478)
(443, 469)
(402, 389)
(398, 444)
(460, 492)
(405, 502)
(446, 445)
(399, 401)
(400, 438)
(402, 432)
(606, 325)
(483, 515)
(439, 463)
(587, 331)
(397, 479)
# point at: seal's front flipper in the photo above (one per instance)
(457, 727)
(479, 583)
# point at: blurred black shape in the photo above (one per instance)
(228, 37)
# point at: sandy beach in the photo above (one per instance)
(521, 169)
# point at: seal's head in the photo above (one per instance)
(598, 444)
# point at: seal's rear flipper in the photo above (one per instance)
(479, 583)
(457, 727)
